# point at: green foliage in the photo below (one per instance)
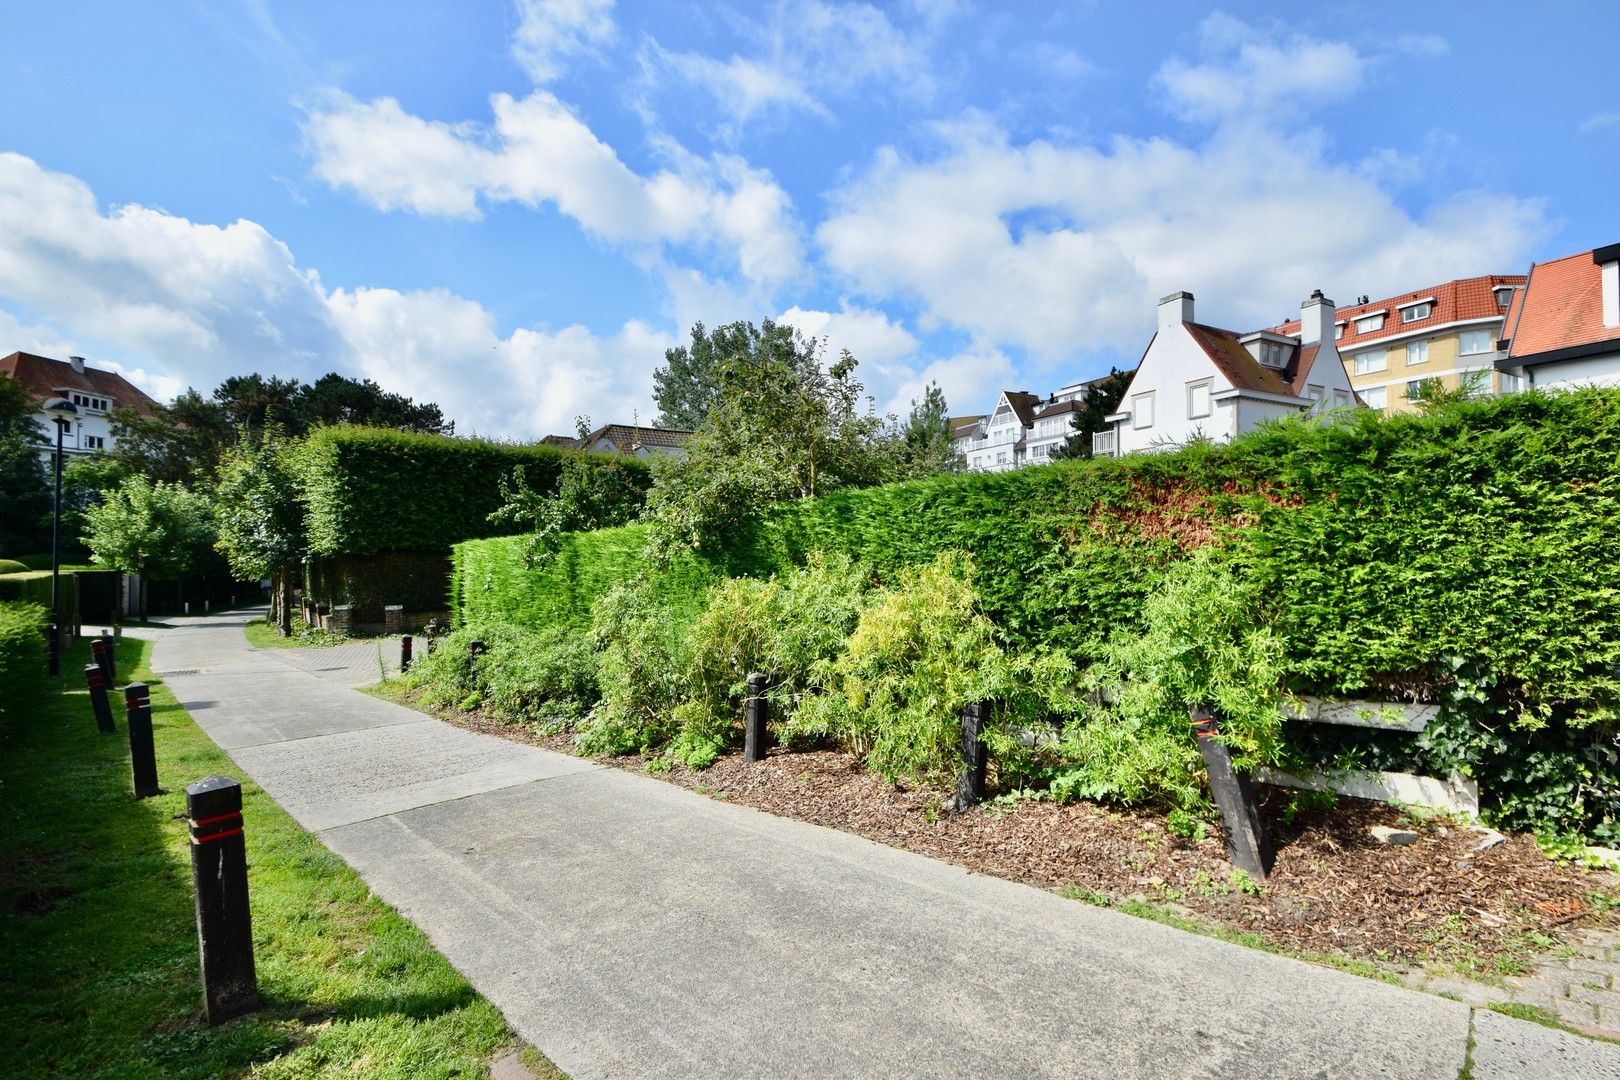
(157, 530)
(22, 659)
(258, 515)
(1102, 398)
(780, 426)
(591, 493)
(643, 654)
(25, 508)
(921, 651)
(1203, 640)
(546, 677)
(924, 446)
(369, 490)
(417, 580)
(689, 384)
(12, 566)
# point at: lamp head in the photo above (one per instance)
(60, 410)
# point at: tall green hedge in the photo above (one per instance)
(1389, 548)
(370, 490)
(22, 657)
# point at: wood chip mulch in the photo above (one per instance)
(1333, 890)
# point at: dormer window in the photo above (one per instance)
(1504, 296)
(87, 401)
(1369, 323)
(1417, 312)
(1338, 331)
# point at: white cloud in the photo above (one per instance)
(551, 32)
(171, 303)
(537, 152)
(1600, 121)
(1059, 249)
(1247, 74)
(970, 382)
(871, 336)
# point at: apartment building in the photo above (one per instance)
(1446, 333)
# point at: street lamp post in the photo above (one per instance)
(62, 412)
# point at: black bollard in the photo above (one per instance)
(475, 649)
(970, 781)
(756, 711)
(96, 678)
(142, 755)
(1247, 845)
(219, 876)
(109, 660)
(404, 654)
(54, 645)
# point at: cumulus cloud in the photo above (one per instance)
(537, 152)
(1245, 73)
(171, 302)
(551, 32)
(1058, 248)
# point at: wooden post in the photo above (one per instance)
(219, 876)
(1247, 844)
(756, 711)
(142, 754)
(970, 781)
(96, 679)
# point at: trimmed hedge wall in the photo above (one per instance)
(1387, 547)
(417, 579)
(22, 658)
(371, 490)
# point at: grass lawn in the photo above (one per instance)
(98, 947)
(263, 635)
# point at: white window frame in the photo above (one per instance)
(95, 442)
(1417, 312)
(1193, 393)
(1417, 353)
(1375, 397)
(1368, 324)
(1138, 410)
(1363, 362)
(1477, 335)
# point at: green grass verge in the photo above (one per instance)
(263, 635)
(98, 949)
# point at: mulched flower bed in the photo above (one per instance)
(1334, 889)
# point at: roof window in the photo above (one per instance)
(1417, 312)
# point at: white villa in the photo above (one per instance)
(1022, 429)
(1198, 381)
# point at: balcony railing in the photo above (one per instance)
(1105, 443)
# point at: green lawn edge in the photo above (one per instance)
(98, 948)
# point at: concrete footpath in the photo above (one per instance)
(628, 927)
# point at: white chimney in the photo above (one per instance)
(1175, 309)
(1608, 260)
(78, 364)
(1316, 320)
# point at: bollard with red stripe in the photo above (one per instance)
(109, 660)
(219, 875)
(96, 678)
(1247, 844)
(142, 754)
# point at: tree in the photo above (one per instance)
(689, 384)
(924, 446)
(180, 442)
(253, 404)
(259, 518)
(25, 494)
(781, 426)
(84, 483)
(157, 530)
(593, 492)
(337, 399)
(1102, 398)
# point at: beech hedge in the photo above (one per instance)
(371, 490)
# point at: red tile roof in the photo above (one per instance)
(1239, 366)
(42, 378)
(1455, 301)
(627, 437)
(1024, 405)
(1562, 307)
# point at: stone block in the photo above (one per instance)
(1603, 999)
(1393, 837)
(342, 620)
(393, 618)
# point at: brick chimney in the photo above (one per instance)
(1175, 309)
(78, 364)
(1316, 320)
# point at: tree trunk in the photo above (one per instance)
(284, 605)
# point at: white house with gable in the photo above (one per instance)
(1198, 381)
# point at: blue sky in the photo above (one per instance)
(514, 208)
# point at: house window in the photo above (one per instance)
(1001, 458)
(1414, 389)
(1416, 312)
(1370, 323)
(1369, 362)
(1476, 341)
(1376, 397)
(1314, 393)
(1477, 383)
(95, 442)
(1338, 331)
(1417, 353)
(1512, 384)
(1142, 410)
(1038, 451)
(1504, 296)
(1341, 398)
(1198, 398)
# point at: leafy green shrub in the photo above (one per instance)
(1204, 640)
(921, 651)
(369, 490)
(22, 658)
(546, 677)
(12, 566)
(642, 659)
